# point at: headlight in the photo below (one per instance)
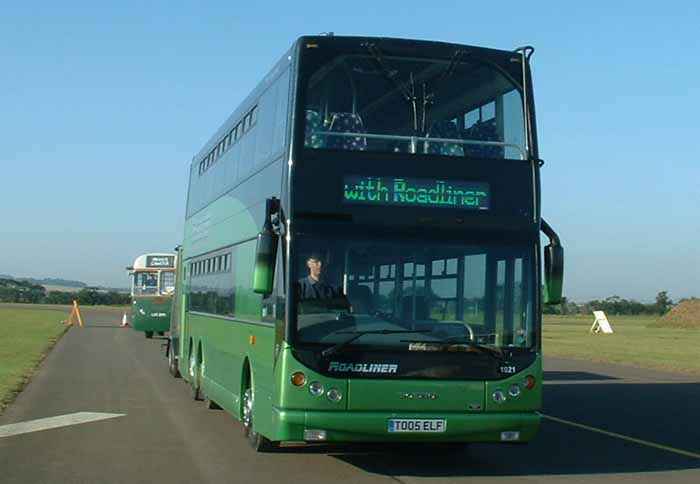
(499, 396)
(334, 395)
(316, 389)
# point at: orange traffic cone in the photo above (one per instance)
(125, 322)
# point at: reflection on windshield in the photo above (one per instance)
(392, 104)
(454, 297)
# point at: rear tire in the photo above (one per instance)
(172, 363)
(255, 440)
(149, 334)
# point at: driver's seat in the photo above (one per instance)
(361, 299)
(422, 308)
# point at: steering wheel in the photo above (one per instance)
(470, 331)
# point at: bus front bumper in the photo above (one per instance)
(290, 425)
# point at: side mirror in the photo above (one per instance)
(266, 252)
(553, 273)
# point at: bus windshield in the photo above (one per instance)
(145, 283)
(167, 283)
(455, 107)
(413, 295)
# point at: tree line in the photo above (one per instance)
(613, 305)
(14, 291)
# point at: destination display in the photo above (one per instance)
(160, 261)
(415, 192)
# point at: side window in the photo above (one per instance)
(213, 290)
(253, 115)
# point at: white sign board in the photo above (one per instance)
(601, 323)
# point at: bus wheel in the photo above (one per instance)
(256, 441)
(195, 382)
(172, 363)
(149, 334)
(161, 333)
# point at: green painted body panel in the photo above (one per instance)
(151, 313)
(224, 348)
(228, 220)
(367, 404)
(386, 395)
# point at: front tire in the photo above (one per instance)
(255, 440)
(195, 378)
(149, 334)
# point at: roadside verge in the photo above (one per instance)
(27, 335)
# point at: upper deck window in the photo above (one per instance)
(456, 107)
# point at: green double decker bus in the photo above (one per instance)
(152, 290)
(362, 258)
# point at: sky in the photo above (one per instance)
(102, 109)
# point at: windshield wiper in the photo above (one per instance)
(356, 334)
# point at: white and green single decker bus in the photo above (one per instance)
(152, 290)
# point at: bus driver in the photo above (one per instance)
(313, 286)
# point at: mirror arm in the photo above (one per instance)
(550, 233)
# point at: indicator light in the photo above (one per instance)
(514, 390)
(529, 382)
(298, 379)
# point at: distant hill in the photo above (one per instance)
(49, 281)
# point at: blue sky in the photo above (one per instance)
(102, 109)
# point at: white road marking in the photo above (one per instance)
(54, 422)
(647, 443)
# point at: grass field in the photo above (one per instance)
(26, 335)
(635, 342)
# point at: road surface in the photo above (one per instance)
(603, 424)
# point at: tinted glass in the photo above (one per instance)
(447, 293)
(413, 105)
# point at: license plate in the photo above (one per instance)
(417, 425)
